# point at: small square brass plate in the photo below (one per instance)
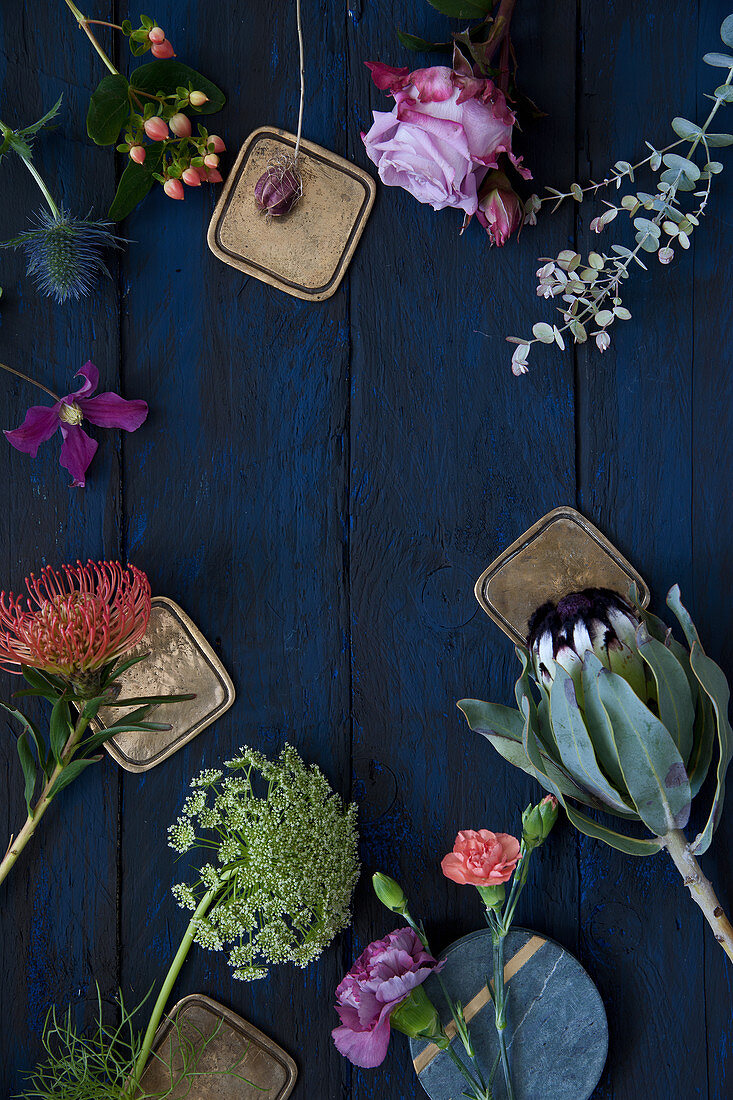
(306, 252)
(180, 661)
(561, 553)
(220, 1041)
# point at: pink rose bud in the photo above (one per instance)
(156, 35)
(162, 50)
(211, 160)
(499, 209)
(137, 153)
(197, 99)
(173, 189)
(215, 140)
(191, 177)
(277, 191)
(156, 128)
(180, 124)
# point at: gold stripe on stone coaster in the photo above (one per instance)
(482, 998)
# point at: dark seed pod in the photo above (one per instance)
(278, 190)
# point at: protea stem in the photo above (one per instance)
(701, 889)
(18, 843)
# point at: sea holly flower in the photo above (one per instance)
(106, 410)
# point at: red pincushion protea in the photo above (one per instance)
(74, 620)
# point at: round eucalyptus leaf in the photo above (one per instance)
(603, 317)
(724, 93)
(544, 332)
(718, 141)
(595, 261)
(648, 242)
(682, 164)
(719, 60)
(622, 313)
(685, 129)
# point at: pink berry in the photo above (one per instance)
(197, 99)
(213, 175)
(163, 49)
(191, 177)
(215, 140)
(156, 35)
(180, 124)
(211, 160)
(137, 153)
(156, 128)
(173, 189)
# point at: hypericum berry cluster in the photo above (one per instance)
(283, 864)
(179, 156)
(148, 36)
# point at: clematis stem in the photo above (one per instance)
(17, 844)
(19, 374)
(701, 889)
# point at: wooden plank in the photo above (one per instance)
(58, 910)
(451, 459)
(644, 940)
(236, 502)
(712, 517)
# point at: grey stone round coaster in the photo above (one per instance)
(556, 1023)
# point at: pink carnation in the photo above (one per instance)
(481, 858)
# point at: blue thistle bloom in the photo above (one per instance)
(64, 253)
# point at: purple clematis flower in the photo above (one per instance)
(107, 410)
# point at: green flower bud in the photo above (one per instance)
(492, 896)
(390, 893)
(416, 1016)
(537, 821)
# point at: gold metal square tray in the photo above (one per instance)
(561, 553)
(305, 253)
(219, 1040)
(180, 661)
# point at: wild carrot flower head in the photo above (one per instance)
(74, 620)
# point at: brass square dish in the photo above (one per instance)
(305, 253)
(180, 661)
(218, 1040)
(561, 553)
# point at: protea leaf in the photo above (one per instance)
(714, 683)
(599, 724)
(675, 703)
(632, 846)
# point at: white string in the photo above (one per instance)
(302, 77)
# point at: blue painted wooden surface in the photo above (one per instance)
(319, 485)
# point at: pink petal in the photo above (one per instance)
(41, 421)
(386, 77)
(434, 84)
(367, 1049)
(109, 410)
(91, 375)
(77, 451)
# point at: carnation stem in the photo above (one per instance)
(84, 24)
(700, 888)
(19, 374)
(17, 844)
(170, 980)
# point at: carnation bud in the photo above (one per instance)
(173, 189)
(156, 128)
(191, 177)
(389, 892)
(416, 1015)
(163, 50)
(156, 35)
(216, 141)
(180, 124)
(492, 896)
(197, 99)
(537, 821)
(277, 190)
(138, 154)
(211, 160)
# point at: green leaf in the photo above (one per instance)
(576, 748)
(544, 332)
(30, 131)
(630, 845)
(724, 93)
(703, 741)
(682, 615)
(150, 700)
(598, 722)
(726, 31)
(719, 60)
(166, 76)
(109, 109)
(463, 9)
(653, 769)
(682, 164)
(718, 141)
(422, 45)
(112, 671)
(51, 686)
(715, 685)
(60, 728)
(73, 769)
(34, 734)
(685, 129)
(135, 182)
(139, 727)
(28, 764)
(490, 718)
(676, 704)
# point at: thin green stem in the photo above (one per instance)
(19, 374)
(26, 158)
(498, 935)
(17, 844)
(84, 24)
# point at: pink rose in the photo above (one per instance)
(447, 129)
(499, 208)
(481, 858)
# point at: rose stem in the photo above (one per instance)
(700, 888)
(84, 24)
(17, 844)
(302, 77)
(19, 374)
(170, 979)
